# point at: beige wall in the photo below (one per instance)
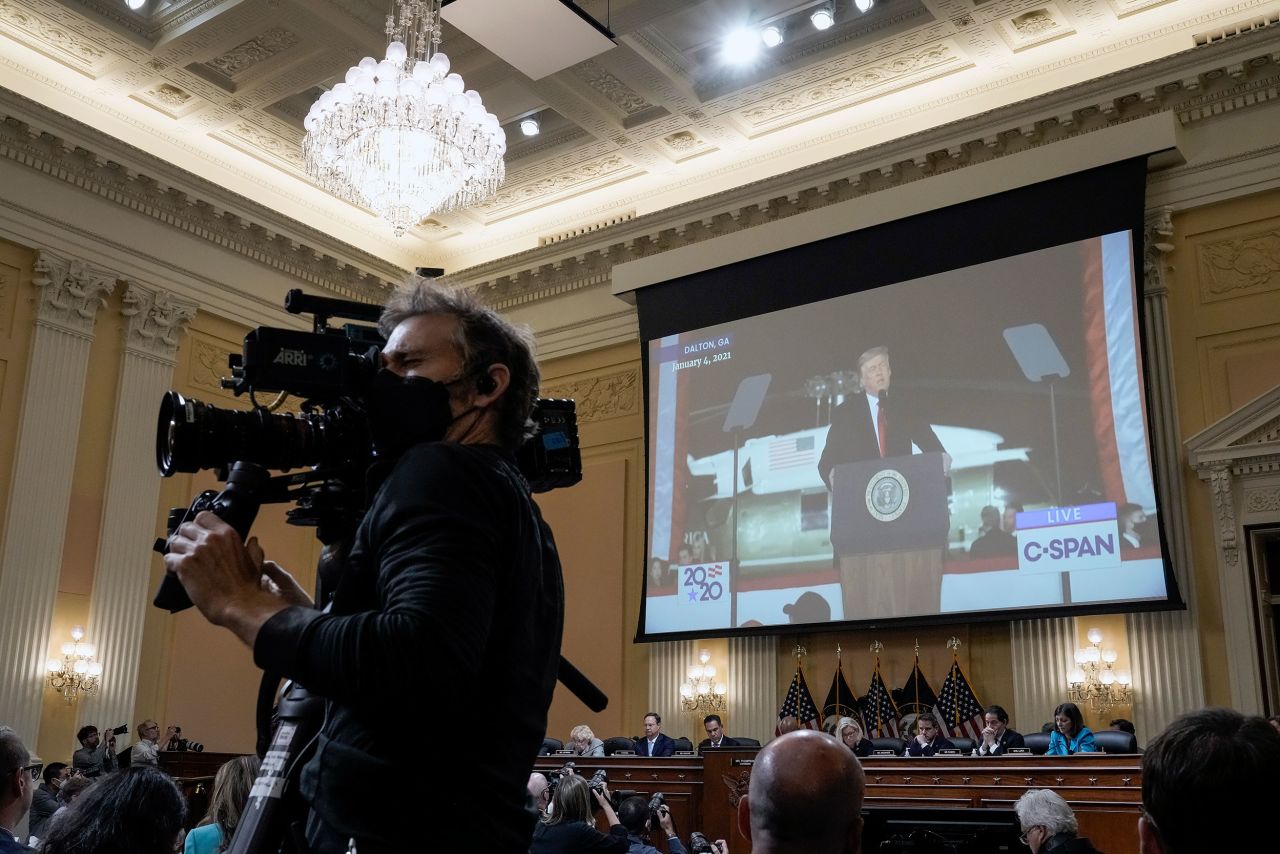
(1224, 307)
(16, 315)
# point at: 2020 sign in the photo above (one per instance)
(703, 582)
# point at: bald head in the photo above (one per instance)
(805, 796)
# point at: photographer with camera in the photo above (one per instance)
(95, 756)
(569, 827)
(637, 815)
(452, 576)
(146, 750)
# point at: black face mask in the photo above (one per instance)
(404, 411)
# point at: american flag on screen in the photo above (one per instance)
(798, 704)
(879, 710)
(961, 711)
(788, 452)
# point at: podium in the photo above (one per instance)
(889, 526)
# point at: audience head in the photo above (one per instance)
(849, 731)
(17, 783)
(1067, 719)
(56, 773)
(1130, 515)
(1009, 519)
(135, 811)
(571, 802)
(1043, 815)
(1274, 720)
(996, 718)
(1124, 725)
(652, 725)
(714, 727)
(1213, 763)
(73, 788)
(633, 814)
(787, 724)
(806, 796)
(581, 737)
(539, 790)
(231, 789)
(990, 518)
(149, 730)
(88, 736)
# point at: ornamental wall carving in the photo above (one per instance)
(1247, 265)
(71, 292)
(600, 398)
(156, 320)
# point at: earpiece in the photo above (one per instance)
(485, 384)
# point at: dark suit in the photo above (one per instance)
(994, 543)
(939, 743)
(664, 745)
(724, 742)
(1007, 739)
(852, 436)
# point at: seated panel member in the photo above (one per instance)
(1070, 735)
(654, 742)
(929, 738)
(583, 742)
(997, 738)
(715, 734)
(849, 731)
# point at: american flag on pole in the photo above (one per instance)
(788, 452)
(878, 708)
(798, 704)
(961, 711)
(841, 701)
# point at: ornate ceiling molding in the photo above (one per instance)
(190, 204)
(1212, 81)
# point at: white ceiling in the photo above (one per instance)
(219, 87)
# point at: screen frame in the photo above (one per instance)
(1081, 205)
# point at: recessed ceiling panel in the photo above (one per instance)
(536, 37)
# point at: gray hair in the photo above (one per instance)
(483, 338)
(844, 722)
(1046, 808)
(581, 732)
(13, 753)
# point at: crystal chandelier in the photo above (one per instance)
(78, 672)
(1094, 681)
(700, 692)
(401, 136)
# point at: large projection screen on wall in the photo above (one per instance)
(940, 419)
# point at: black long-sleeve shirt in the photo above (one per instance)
(449, 612)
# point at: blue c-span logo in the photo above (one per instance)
(887, 495)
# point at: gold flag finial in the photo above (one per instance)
(876, 646)
(953, 644)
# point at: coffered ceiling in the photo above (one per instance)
(220, 87)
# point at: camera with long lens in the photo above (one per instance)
(657, 801)
(178, 743)
(328, 441)
(699, 844)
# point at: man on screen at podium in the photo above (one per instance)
(901, 580)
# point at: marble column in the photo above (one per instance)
(1164, 647)
(753, 687)
(154, 323)
(70, 293)
(1043, 650)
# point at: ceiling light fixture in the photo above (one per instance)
(135, 5)
(530, 126)
(864, 5)
(771, 35)
(740, 46)
(822, 18)
(401, 136)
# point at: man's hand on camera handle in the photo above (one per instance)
(665, 822)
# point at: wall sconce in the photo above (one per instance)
(78, 672)
(700, 692)
(1094, 681)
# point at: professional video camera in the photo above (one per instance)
(330, 438)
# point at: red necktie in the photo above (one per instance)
(880, 428)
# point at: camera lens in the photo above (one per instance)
(191, 435)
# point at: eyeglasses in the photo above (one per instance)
(34, 769)
(1022, 837)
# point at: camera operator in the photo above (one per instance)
(452, 577)
(95, 756)
(637, 818)
(569, 827)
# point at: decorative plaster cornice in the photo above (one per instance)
(205, 210)
(1197, 85)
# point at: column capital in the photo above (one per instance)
(1157, 235)
(71, 292)
(155, 320)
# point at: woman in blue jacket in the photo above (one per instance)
(1070, 735)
